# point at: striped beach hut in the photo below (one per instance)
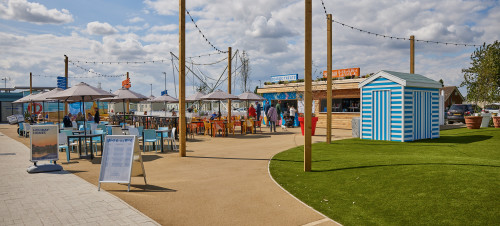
(399, 107)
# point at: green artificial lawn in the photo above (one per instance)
(453, 180)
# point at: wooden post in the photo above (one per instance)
(308, 86)
(31, 91)
(66, 75)
(128, 101)
(229, 108)
(182, 78)
(412, 54)
(329, 80)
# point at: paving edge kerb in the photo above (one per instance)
(270, 176)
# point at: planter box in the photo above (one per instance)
(486, 120)
(313, 125)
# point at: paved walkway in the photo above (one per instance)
(55, 198)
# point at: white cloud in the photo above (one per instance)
(169, 27)
(135, 20)
(33, 12)
(98, 28)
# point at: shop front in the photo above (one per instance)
(345, 99)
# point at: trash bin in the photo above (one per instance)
(355, 127)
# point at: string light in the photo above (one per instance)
(96, 73)
(204, 37)
(394, 37)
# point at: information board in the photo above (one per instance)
(121, 160)
(44, 143)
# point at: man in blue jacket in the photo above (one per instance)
(258, 109)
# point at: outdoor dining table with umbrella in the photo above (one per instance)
(249, 96)
(47, 96)
(82, 92)
(219, 95)
(27, 99)
(123, 95)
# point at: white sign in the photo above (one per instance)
(301, 106)
(289, 77)
(117, 164)
(43, 142)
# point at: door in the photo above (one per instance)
(381, 115)
(422, 115)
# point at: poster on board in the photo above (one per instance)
(121, 160)
(300, 107)
(43, 143)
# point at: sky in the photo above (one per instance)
(35, 36)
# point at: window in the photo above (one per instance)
(342, 105)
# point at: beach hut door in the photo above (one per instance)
(381, 115)
(422, 115)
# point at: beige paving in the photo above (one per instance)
(223, 181)
(59, 198)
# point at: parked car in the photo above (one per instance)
(457, 111)
(492, 108)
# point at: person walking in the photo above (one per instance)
(272, 116)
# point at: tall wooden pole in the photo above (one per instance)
(66, 75)
(31, 92)
(182, 78)
(229, 108)
(329, 80)
(412, 54)
(128, 101)
(308, 86)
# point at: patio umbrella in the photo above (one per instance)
(29, 99)
(47, 96)
(195, 97)
(164, 98)
(219, 95)
(123, 95)
(82, 92)
(249, 96)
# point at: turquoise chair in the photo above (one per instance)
(20, 130)
(150, 137)
(96, 140)
(63, 144)
(102, 127)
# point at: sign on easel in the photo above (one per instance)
(121, 160)
(43, 142)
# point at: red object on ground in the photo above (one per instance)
(313, 125)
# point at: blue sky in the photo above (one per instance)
(35, 35)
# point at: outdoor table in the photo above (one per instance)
(85, 136)
(145, 120)
(243, 123)
(76, 132)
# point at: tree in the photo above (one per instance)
(245, 72)
(482, 79)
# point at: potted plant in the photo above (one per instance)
(496, 121)
(472, 122)
(314, 120)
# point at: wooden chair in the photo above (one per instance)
(218, 125)
(249, 125)
(207, 127)
(230, 127)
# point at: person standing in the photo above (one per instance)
(272, 116)
(97, 118)
(278, 111)
(266, 109)
(251, 111)
(292, 114)
(258, 108)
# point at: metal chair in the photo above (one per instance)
(150, 137)
(171, 139)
